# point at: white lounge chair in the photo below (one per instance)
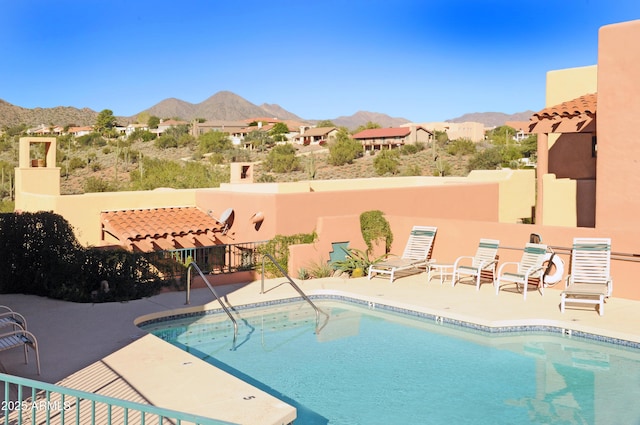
(531, 266)
(417, 253)
(485, 261)
(12, 318)
(20, 338)
(589, 281)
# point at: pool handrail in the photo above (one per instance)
(215, 294)
(304, 296)
(42, 402)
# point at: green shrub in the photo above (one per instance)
(374, 227)
(40, 255)
(278, 248)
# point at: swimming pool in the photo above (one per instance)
(373, 366)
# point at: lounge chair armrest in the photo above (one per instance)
(18, 318)
(464, 257)
(504, 265)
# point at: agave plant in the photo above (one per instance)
(356, 262)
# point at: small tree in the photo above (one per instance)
(153, 122)
(105, 121)
(325, 123)
(369, 125)
(279, 132)
(345, 149)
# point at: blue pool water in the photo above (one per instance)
(368, 366)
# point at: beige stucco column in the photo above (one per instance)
(542, 168)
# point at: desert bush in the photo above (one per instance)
(487, 159)
(386, 162)
(95, 184)
(282, 159)
(411, 148)
(155, 173)
(266, 178)
(320, 269)
(75, 163)
(214, 141)
(412, 170)
(92, 139)
(461, 147)
(344, 150)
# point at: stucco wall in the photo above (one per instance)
(618, 203)
(567, 84)
(460, 237)
(570, 156)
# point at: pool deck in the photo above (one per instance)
(99, 348)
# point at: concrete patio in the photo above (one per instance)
(85, 345)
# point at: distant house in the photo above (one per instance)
(80, 131)
(316, 136)
(231, 127)
(473, 131)
(166, 124)
(380, 138)
(129, 129)
(521, 128)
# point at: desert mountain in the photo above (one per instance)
(363, 117)
(11, 115)
(493, 119)
(223, 105)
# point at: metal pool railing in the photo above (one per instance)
(32, 402)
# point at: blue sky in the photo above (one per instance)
(427, 60)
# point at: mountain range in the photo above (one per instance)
(223, 105)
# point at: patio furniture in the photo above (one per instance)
(12, 318)
(589, 281)
(531, 266)
(484, 261)
(443, 270)
(417, 253)
(21, 338)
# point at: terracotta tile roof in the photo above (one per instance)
(161, 228)
(582, 105)
(317, 131)
(378, 133)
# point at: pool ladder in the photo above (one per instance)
(297, 288)
(193, 265)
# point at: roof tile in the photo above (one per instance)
(160, 227)
(582, 105)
